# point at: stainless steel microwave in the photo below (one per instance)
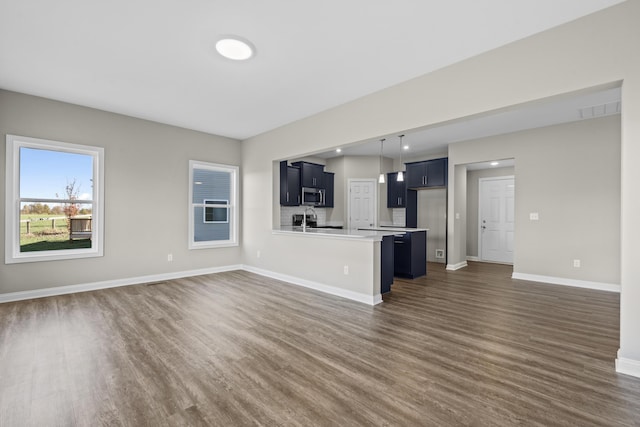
(313, 196)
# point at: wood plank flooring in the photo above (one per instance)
(471, 347)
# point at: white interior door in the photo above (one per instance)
(362, 203)
(497, 219)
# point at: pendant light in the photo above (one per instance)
(400, 173)
(381, 178)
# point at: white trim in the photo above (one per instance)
(233, 206)
(627, 366)
(354, 296)
(71, 289)
(473, 258)
(376, 189)
(206, 205)
(12, 200)
(609, 287)
(86, 287)
(458, 266)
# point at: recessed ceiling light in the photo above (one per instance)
(495, 163)
(338, 150)
(234, 48)
(406, 147)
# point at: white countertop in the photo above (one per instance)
(333, 233)
(397, 229)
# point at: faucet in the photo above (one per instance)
(304, 218)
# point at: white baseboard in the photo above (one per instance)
(473, 258)
(627, 366)
(86, 287)
(355, 296)
(70, 289)
(458, 266)
(609, 287)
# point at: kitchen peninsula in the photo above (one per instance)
(402, 251)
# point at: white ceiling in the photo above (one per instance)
(434, 140)
(155, 59)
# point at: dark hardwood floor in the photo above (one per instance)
(471, 347)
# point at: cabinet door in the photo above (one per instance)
(402, 255)
(436, 174)
(317, 174)
(289, 185)
(328, 184)
(293, 185)
(306, 175)
(416, 173)
(396, 193)
(386, 264)
(284, 188)
(311, 174)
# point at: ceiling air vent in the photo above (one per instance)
(601, 110)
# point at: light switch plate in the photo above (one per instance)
(533, 216)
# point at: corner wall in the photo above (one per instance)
(146, 188)
(570, 175)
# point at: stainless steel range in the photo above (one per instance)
(312, 220)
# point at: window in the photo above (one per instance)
(213, 213)
(54, 195)
(216, 214)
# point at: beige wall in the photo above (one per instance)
(357, 167)
(570, 175)
(432, 214)
(569, 58)
(473, 178)
(145, 163)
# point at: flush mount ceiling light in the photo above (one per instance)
(235, 48)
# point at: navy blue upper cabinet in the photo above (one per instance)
(396, 191)
(430, 173)
(289, 185)
(311, 174)
(328, 183)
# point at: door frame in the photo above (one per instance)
(375, 199)
(480, 181)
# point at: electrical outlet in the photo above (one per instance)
(576, 263)
(258, 254)
(346, 269)
(439, 253)
(533, 216)
(170, 257)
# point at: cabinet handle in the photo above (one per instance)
(287, 196)
(399, 200)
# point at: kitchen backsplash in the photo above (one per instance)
(286, 214)
(399, 217)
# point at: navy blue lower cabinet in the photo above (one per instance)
(386, 264)
(410, 254)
